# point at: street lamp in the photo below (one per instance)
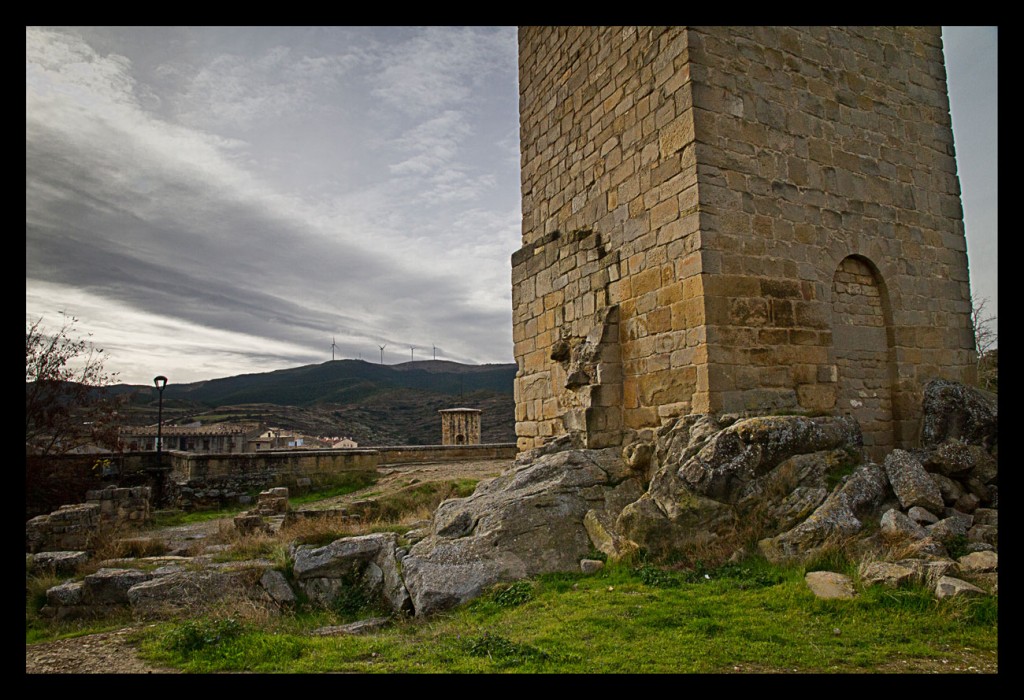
(160, 382)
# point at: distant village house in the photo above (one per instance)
(221, 438)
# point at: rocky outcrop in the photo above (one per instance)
(839, 518)
(525, 522)
(937, 488)
(706, 481)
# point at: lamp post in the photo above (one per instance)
(160, 382)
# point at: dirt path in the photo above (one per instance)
(113, 652)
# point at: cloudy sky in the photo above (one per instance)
(216, 201)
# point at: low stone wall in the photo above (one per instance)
(76, 527)
(214, 480)
(299, 463)
(419, 454)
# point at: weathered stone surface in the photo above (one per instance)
(197, 590)
(798, 506)
(979, 562)
(929, 571)
(775, 464)
(921, 515)
(828, 584)
(887, 574)
(967, 503)
(110, 586)
(956, 459)
(591, 566)
(986, 516)
(911, 483)
(59, 562)
(527, 521)
(276, 586)
(611, 544)
(367, 561)
(65, 594)
(948, 587)
(954, 411)
(897, 524)
(955, 525)
(751, 448)
(984, 534)
(950, 489)
(837, 518)
(341, 558)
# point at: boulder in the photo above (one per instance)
(887, 574)
(979, 562)
(957, 459)
(950, 489)
(734, 457)
(367, 561)
(951, 410)
(929, 571)
(276, 586)
(194, 590)
(59, 562)
(895, 524)
(911, 483)
(956, 525)
(525, 522)
(984, 534)
(828, 584)
(921, 515)
(110, 586)
(948, 587)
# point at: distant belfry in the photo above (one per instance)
(460, 426)
(735, 219)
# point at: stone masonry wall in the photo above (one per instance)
(708, 182)
(814, 145)
(460, 427)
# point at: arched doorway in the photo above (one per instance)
(861, 343)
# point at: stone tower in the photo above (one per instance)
(735, 219)
(460, 426)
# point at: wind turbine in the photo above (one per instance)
(332, 348)
(382, 352)
(412, 350)
(435, 352)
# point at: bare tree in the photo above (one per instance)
(65, 403)
(985, 338)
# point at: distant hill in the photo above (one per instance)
(372, 403)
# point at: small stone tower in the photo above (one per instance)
(460, 426)
(735, 219)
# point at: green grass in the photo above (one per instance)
(180, 517)
(340, 485)
(752, 616)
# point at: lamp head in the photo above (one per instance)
(160, 382)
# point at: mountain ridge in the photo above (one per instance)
(374, 404)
